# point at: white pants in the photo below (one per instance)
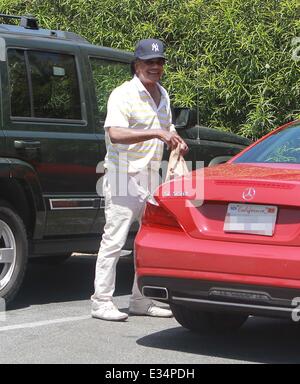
(121, 210)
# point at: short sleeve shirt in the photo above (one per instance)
(131, 106)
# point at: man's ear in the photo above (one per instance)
(132, 67)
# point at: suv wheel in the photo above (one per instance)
(13, 252)
(207, 322)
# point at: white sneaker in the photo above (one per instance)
(108, 311)
(152, 310)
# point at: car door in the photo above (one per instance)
(47, 125)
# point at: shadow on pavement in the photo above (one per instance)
(70, 281)
(258, 341)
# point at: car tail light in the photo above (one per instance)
(156, 215)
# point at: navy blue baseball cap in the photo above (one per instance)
(147, 49)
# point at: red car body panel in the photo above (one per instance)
(195, 247)
(278, 187)
(166, 253)
(201, 246)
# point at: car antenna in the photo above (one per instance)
(198, 116)
(197, 100)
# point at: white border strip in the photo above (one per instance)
(42, 323)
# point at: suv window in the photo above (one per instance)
(43, 85)
(107, 76)
(19, 90)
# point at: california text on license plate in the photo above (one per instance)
(251, 218)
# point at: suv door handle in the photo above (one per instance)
(21, 144)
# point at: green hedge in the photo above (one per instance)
(236, 55)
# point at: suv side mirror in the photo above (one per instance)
(184, 118)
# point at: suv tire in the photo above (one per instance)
(13, 251)
(207, 322)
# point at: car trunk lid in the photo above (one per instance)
(245, 186)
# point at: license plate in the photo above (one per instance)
(251, 218)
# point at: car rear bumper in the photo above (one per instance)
(220, 276)
(172, 253)
(217, 297)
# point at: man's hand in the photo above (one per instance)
(172, 139)
(184, 148)
(120, 135)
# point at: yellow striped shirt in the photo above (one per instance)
(131, 106)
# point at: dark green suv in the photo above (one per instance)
(54, 89)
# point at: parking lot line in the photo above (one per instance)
(43, 323)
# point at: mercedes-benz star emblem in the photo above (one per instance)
(249, 194)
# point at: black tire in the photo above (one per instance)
(13, 239)
(51, 260)
(207, 322)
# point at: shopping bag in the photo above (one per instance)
(177, 166)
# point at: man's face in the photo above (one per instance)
(149, 71)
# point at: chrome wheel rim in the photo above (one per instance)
(8, 254)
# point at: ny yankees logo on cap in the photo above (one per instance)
(149, 49)
(155, 47)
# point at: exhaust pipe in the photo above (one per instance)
(158, 293)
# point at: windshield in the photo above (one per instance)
(281, 147)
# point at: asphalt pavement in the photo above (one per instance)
(50, 322)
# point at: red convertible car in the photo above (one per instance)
(224, 242)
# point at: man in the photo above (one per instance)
(137, 125)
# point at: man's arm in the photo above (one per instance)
(132, 136)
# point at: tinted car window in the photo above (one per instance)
(107, 76)
(19, 90)
(54, 91)
(281, 147)
(55, 85)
